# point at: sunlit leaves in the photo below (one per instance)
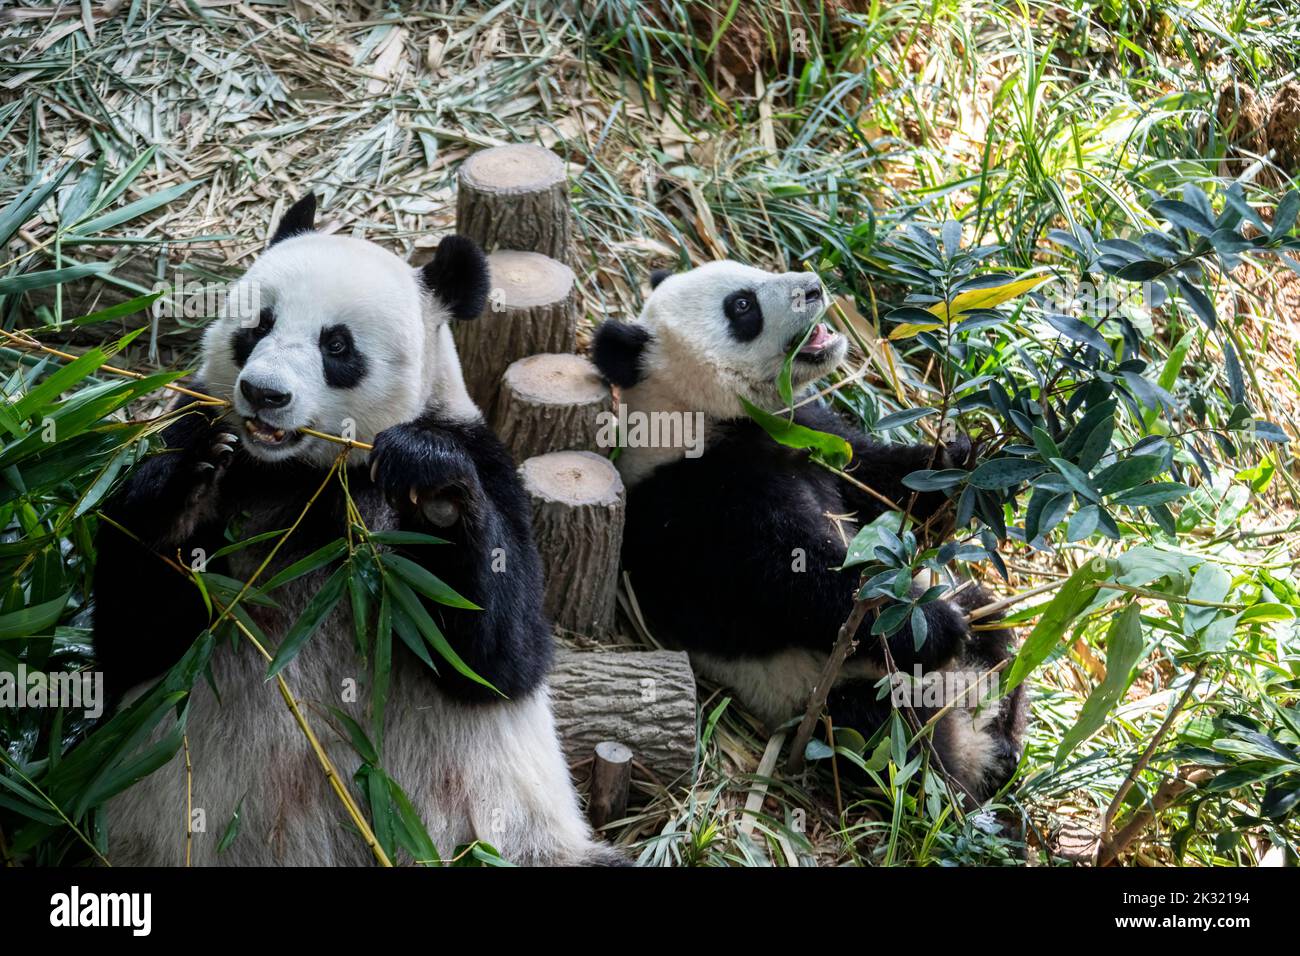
(986, 297)
(1124, 644)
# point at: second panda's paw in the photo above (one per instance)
(958, 453)
(425, 470)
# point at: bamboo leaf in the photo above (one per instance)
(1124, 645)
(313, 615)
(986, 298)
(832, 449)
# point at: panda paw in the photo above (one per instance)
(426, 471)
(208, 462)
(961, 452)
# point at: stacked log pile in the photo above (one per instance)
(617, 709)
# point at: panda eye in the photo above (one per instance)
(265, 322)
(336, 342)
(742, 305)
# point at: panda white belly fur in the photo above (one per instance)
(491, 772)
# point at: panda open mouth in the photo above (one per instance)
(821, 339)
(269, 435)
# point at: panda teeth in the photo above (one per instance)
(263, 433)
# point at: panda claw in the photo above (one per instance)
(414, 494)
(374, 471)
(202, 468)
(228, 438)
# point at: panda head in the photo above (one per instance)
(714, 334)
(341, 336)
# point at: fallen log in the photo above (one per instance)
(645, 700)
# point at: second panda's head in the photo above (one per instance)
(716, 333)
(341, 336)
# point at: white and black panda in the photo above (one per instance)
(349, 339)
(733, 552)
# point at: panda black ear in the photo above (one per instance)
(458, 275)
(300, 218)
(659, 275)
(617, 351)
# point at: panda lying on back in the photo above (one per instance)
(712, 541)
(349, 338)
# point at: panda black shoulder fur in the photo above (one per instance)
(349, 338)
(713, 541)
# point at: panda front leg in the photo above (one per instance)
(882, 468)
(457, 481)
(146, 614)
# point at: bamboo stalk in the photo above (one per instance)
(327, 765)
(331, 774)
(844, 645)
(189, 799)
(1140, 764)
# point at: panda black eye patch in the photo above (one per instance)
(344, 365)
(743, 315)
(246, 338)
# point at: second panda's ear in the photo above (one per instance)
(659, 275)
(618, 351)
(300, 218)
(458, 275)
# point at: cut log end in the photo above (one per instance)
(556, 379)
(578, 509)
(575, 479)
(611, 778)
(550, 403)
(531, 308)
(518, 168)
(526, 280)
(516, 197)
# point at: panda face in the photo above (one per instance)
(348, 340)
(720, 331)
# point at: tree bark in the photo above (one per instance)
(532, 308)
(516, 197)
(643, 699)
(578, 508)
(550, 403)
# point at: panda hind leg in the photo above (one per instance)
(982, 746)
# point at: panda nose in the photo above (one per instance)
(260, 397)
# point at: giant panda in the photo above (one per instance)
(349, 339)
(732, 548)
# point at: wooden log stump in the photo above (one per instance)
(516, 197)
(532, 308)
(611, 778)
(550, 403)
(644, 699)
(578, 508)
